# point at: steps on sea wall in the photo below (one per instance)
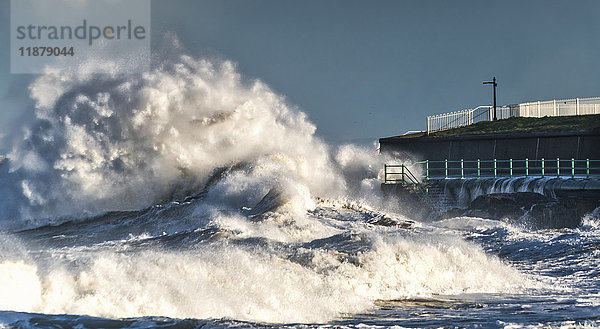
(436, 196)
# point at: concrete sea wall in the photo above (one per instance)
(534, 146)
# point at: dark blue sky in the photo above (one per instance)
(368, 69)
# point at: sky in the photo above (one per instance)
(366, 69)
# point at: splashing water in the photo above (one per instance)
(188, 192)
(125, 142)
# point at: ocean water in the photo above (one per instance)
(190, 197)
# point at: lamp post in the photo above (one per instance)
(494, 85)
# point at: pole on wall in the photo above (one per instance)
(494, 85)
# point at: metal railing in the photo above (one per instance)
(494, 168)
(400, 173)
(565, 107)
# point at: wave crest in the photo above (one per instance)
(111, 141)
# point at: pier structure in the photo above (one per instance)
(549, 171)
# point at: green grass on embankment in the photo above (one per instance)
(527, 125)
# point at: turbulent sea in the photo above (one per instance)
(189, 197)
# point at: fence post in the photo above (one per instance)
(495, 169)
(403, 180)
(526, 167)
(446, 168)
(572, 167)
(554, 109)
(511, 167)
(587, 168)
(427, 169)
(428, 125)
(385, 180)
(543, 168)
(577, 110)
(557, 167)
(462, 169)
(478, 168)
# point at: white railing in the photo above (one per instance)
(575, 106)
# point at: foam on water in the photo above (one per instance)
(259, 286)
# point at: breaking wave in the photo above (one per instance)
(111, 141)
